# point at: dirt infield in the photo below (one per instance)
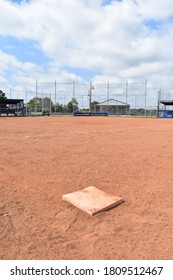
(43, 158)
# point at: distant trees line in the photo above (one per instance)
(46, 104)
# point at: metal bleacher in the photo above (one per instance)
(78, 113)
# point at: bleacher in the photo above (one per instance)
(8, 111)
(78, 113)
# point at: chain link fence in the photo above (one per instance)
(64, 98)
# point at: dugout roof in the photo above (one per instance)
(10, 101)
(167, 102)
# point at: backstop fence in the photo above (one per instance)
(65, 98)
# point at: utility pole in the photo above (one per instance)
(90, 95)
(158, 103)
(126, 97)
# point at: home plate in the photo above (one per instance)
(92, 200)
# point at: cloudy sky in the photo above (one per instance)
(86, 40)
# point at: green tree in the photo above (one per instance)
(137, 112)
(93, 105)
(42, 104)
(35, 101)
(58, 108)
(47, 104)
(72, 105)
(2, 94)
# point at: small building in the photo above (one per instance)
(11, 106)
(113, 107)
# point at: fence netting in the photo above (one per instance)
(65, 98)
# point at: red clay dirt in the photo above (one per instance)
(42, 158)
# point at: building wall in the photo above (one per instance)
(113, 110)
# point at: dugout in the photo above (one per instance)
(11, 107)
(165, 109)
(113, 107)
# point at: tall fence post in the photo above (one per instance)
(55, 98)
(145, 98)
(42, 103)
(108, 88)
(50, 105)
(36, 93)
(126, 97)
(90, 96)
(73, 95)
(158, 103)
(26, 102)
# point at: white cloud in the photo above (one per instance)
(122, 40)
(151, 9)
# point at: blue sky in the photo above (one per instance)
(23, 50)
(85, 41)
(19, 1)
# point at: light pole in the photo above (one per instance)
(90, 95)
(126, 97)
(158, 103)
